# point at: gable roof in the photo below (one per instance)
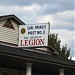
(13, 17)
(55, 59)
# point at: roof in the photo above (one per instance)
(13, 17)
(55, 59)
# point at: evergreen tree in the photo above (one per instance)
(55, 43)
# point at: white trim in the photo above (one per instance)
(61, 71)
(28, 69)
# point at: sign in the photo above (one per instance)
(33, 35)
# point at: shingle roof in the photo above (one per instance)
(37, 56)
(13, 17)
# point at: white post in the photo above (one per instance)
(28, 68)
(61, 71)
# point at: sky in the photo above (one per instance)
(60, 14)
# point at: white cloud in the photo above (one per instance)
(66, 37)
(33, 7)
(44, 19)
(73, 58)
(61, 22)
(63, 5)
(65, 16)
(27, 14)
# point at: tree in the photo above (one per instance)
(55, 43)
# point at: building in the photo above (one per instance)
(23, 61)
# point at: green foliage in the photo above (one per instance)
(55, 43)
(65, 52)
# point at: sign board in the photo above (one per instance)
(33, 35)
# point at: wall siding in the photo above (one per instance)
(8, 35)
